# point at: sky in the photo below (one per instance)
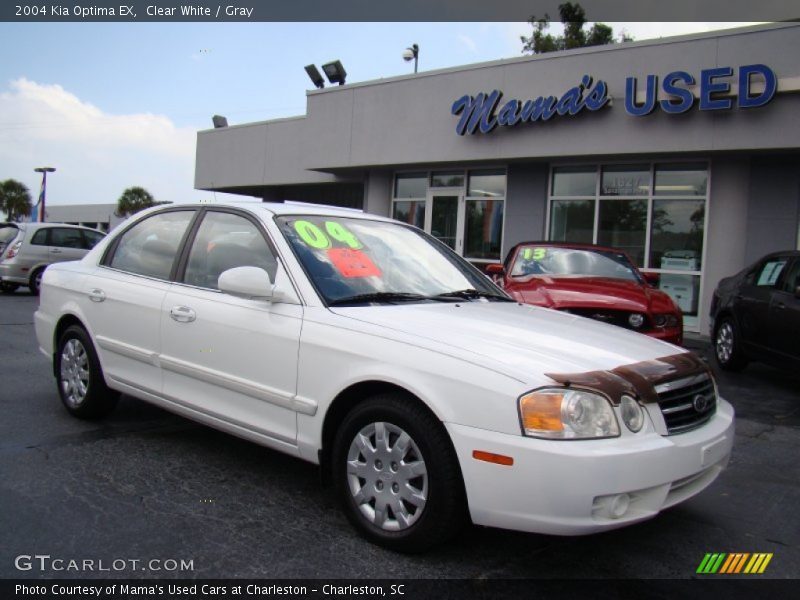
(115, 105)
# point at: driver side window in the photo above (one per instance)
(225, 241)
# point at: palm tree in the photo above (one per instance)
(15, 199)
(133, 200)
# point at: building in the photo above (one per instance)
(682, 151)
(96, 216)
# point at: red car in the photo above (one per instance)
(590, 281)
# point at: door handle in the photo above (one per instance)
(780, 305)
(55, 251)
(182, 314)
(97, 295)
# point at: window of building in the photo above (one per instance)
(654, 212)
(468, 216)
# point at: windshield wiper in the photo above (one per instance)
(472, 293)
(383, 297)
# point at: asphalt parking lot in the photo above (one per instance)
(145, 484)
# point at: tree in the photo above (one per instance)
(574, 18)
(15, 199)
(133, 200)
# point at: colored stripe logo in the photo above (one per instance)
(734, 563)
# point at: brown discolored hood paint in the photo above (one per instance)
(638, 379)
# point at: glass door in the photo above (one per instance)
(444, 218)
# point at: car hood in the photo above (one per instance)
(595, 292)
(521, 341)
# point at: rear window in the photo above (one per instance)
(7, 234)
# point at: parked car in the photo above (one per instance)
(369, 347)
(755, 315)
(590, 281)
(27, 248)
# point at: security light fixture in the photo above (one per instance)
(315, 76)
(412, 53)
(219, 121)
(335, 72)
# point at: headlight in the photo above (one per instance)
(564, 414)
(632, 413)
(636, 320)
(665, 320)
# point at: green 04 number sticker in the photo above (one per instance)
(316, 238)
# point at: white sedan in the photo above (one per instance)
(364, 345)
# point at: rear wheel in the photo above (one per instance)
(728, 346)
(35, 282)
(80, 378)
(8, 288)
(397, 475)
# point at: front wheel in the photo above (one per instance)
(80, 378)
(397, 475)
(728, 346)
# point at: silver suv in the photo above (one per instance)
(27, 248)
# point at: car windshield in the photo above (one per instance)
(572, 262)
(360, 261)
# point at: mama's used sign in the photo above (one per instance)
(756, 86)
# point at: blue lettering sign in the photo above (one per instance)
(708, 87)
(649, 100)
(770, 86)
(479, 113)
(686, 98)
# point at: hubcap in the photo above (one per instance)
(74, 372)
(387, 476)
(724, 342)
(38, 279)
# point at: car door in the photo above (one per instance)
(228, 357)
(125, 295)
(784, 317)
(753, 299)
(66, 243)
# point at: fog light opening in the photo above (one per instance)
(619, 505)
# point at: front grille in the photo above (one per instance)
(613, 317)
(687, 403)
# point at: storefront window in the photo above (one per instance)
(676, 234)
(681, 180)
(447, 179)
(572, 221)
(483, 229)
(410, 185)
(488, 183)
(625, 181)
(654, 212)
(623, 225)
(444, 219)
(574, 181)
(411, 212)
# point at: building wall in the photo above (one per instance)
(526, 203)
(84, 214)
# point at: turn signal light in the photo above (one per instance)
(497, 459)
(542, 411)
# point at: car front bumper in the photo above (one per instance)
(569, 487)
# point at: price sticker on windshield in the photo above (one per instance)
(353, 263)
(314, 237)
(534, 253)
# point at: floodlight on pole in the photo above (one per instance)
(39, 209)
(314, 75)
(335, 72)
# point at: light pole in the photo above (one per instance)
(412, 53)
(40, 205)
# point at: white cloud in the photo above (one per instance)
(468, 42)
(97, 154)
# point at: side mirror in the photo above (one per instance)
(652, 278)
(246, 282)
(495, 269)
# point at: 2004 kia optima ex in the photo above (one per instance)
(364, 345)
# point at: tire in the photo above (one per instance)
(728, 346)
(35, 282)
(8, 288)
(79, 377)
(415, 479)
